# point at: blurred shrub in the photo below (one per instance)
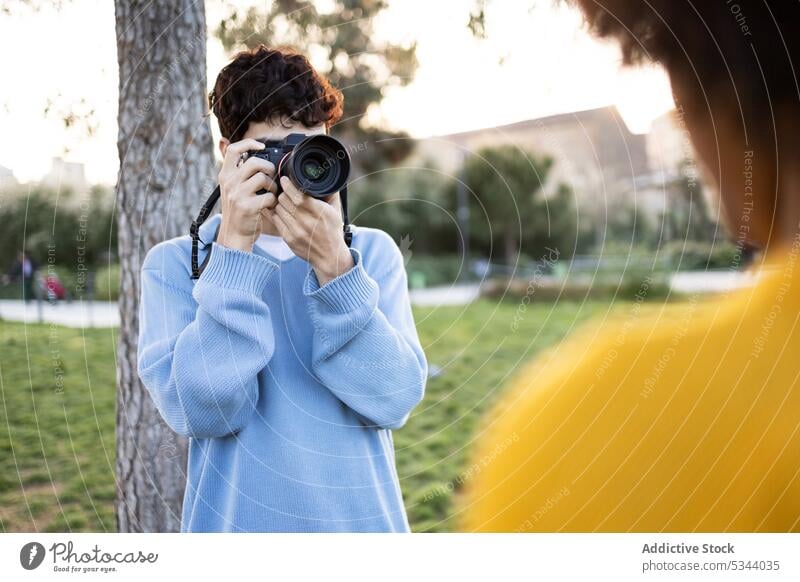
(409, 203)
(63, 232)
(694, 256)
(106, 283)
(58, 227)
(438, 270)
(628, 287)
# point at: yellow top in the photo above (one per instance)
(678, 417)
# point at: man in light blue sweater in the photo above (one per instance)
(288, 372)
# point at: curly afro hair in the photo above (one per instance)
(264, 84)
(740, 52)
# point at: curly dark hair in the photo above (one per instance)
(269, 84)
(743, 52)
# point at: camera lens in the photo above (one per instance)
(319, 165)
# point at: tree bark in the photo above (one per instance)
(166, 167)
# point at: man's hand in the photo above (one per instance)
(241, 207)
(313, 230)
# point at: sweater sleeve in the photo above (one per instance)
(365, 347)
(200, 349)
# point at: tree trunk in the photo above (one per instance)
(166, 167)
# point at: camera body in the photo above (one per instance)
(318, 164)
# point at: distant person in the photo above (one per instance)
(292, 357)
(680, 417)
(54, 288)
(24, 269)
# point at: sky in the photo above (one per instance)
(537, 60)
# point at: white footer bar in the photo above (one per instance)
(411, 557)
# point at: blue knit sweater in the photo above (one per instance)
(289, 390)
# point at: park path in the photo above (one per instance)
(106, 314)
(72, 314)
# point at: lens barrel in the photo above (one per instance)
(319, 165)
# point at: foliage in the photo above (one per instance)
(504, 183)
(419, 204)
(438, 270)
(59, 228)
(688, 217)
(693, 255)
(553, 224)
(631, 226)
(410, 203)
(646, 286)
(106, 283)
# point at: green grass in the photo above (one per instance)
(478, 349)
(57, 451)
(57, 416)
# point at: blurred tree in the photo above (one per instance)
(166, 165)
(504, 184)
(410, 203)
(687, 214)
(342, 45)
(554, 224)
(628, 226)
(58, 227)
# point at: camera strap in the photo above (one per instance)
(194, 231)
(348, 234)
(205, 210)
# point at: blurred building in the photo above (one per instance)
(593, 150)
(668, 145)
(594, 153)
(7, 178)
(669, 161)
(66, 176)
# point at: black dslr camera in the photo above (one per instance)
(318, 165)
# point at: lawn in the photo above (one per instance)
(57, 416)
(57, 412)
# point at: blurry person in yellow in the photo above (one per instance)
(681, 417)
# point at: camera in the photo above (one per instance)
(319, 165)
